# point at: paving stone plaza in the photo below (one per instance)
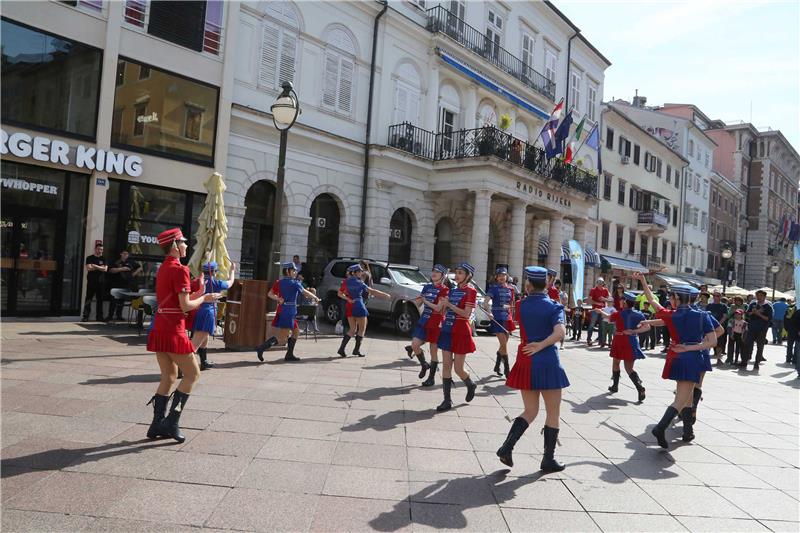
(355, 444)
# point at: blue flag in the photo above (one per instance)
(577, 261)
(593, 141)
(562, 134)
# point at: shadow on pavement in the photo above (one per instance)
(376, 393)
(58, 459)
(119, 380)
(609, 403)
(390, 420)
(483, 490)
(399, 363)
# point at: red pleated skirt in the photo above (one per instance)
(169, 334)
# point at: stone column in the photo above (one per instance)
(470, 106)
(516, 246)
(479, 250)
(432, 101)
(555, 237)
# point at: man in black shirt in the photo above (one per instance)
(759, 320)
(95, 270)
(719, 311)
(124, 274)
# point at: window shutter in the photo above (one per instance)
(413, 107)
(346, 84)
(288, 54)
(400, 104)
(331, 80)
(270, 36)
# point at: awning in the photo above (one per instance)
(591, 258)
(670, 280)
(490, 84)
(610, 262)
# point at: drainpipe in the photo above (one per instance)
(682, 222)
(569, 55)
(365, 183)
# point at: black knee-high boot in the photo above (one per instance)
(423, 364)
(517, 429)
(663, 424)
(549, 463)
(159, 411)
(688, 422)
(697, 396)
(345, 340)
(637, 382)
(266, 345)
(290, 350)
(169, 425)
(447, 403)
(614, 381)
(357, 349)
(409, 351)
(205, 364)
(505, 365)
(471, 388)
(497, 361)
(431, 374)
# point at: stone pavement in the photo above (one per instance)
(355, 444)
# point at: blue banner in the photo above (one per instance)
(796, 268)
(577, 261)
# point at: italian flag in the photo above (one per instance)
(576, 139)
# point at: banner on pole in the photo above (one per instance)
(577, 262)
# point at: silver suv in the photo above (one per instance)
(402, 282)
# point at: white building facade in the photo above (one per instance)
(444, 182)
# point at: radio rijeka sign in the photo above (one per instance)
(44, 149)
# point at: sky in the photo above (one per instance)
(733, 59)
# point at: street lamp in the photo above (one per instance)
(726, 256)
(285, 111)
(774, 268)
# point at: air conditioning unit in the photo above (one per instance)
(625, 159)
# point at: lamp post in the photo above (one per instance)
(775, 268)
(285, 111)
(726, 256)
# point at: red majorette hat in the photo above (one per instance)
(166, 237)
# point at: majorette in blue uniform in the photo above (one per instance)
(428, 324)
(501, 294)
(691, 332)
(204, 321)
(624, 347)
(537, 370)
(355, 291)
(286, 291)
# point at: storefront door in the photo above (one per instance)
(30, 265)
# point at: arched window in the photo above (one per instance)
(521, 131)
(323, 234)
(406, 95)
(339, 72)
(277, 61)
(487, 115)
(257, 230)
(400, 237)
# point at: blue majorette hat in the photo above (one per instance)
(355, 268)
(288, 266)
(208, 267)
(551, 272)
(466, 267)
(536, 273)
(629, 296)
(500, 270)
(684, 290)
(440, 268)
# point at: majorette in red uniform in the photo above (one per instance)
(427, 328)
(168, 336)
(455, 339)
(552, 291)
(625, 346)
(502, 297)
(691, 332)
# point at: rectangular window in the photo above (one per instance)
(49, 82)
(575, 88)
(550, 65)
(677, 179)
(527, 50)
(672, 253)
(591, 102)
(675, 216)
(609, 138)
(669, 173)
(182, 23)
(636, 154)
(621, 193)
(494, 33)
(604, 236)
(631, 242)
(171, 116)
(607, 186)
(658, 167)
(647, 161)
(620, 231)
(144, 72)
(714, 198)
(663, 251)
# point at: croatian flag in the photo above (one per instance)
(548, 134)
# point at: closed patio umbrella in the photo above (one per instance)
(212, 230)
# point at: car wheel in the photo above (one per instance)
(405, 320)
(333, 312)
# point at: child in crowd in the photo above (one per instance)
(738, 330)
(578, 313)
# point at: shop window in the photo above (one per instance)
(166, 115)
(144, 72)
(49, 82)
(120, 73)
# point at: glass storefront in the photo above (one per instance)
(164, 114)
(136, 214)
(49, 83)
(42, 233)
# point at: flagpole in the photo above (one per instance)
(584, 139)
(545, 122)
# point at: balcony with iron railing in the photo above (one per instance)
(653, 262)
(440, 20)
(652, 222)
(489, 141)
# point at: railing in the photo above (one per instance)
(652, 262)
(443, 21)
(652, 217)
(489, 141)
